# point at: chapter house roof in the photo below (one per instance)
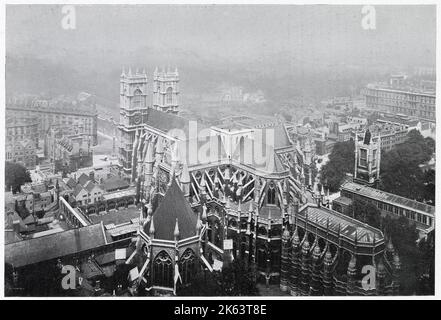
(173, 206)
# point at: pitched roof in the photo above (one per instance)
(165, 121)
(83, 179)
(54, 246)
(115, 183)
(78, 189)
(173, 206)
(71, 183)
(348, 226)
(89, 186)
(386, 197)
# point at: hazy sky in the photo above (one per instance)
(292, 50)
(331, 33)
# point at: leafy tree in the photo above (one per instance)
(341, 162)
(15, 176)
(430, 143)
(400, 171)
(404, 238)
(366, 212)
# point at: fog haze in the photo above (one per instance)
(301, 50)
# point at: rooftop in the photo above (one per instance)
(388, 198)
(348, 226)
(53, 246)
(121, 216)
(173, 207)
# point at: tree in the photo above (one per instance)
(366, 212)
(430, 143)
(404, 237)
(15, 176)
(341, 162)
(400, 171)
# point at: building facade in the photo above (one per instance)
(54, 112)
(133, 112)
(166, 90)
(68, 152)
(401, 101)
(21, 141)
(367, 159)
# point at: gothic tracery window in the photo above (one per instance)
(271, 198)
(138, 99)
(187, 266)
(169, 96)
(163, 270)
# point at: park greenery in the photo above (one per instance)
(341, 162)
(400, 171)
(15, 176)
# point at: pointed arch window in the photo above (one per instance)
(163, 270)
(261, 258)
(271, 198)
(169, 95)
(187, 266)
(138, 99)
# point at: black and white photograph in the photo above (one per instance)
(267, 151)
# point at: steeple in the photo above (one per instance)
(152, 229)
(176, 232)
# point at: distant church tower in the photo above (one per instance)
(367, 159)
(133, 113)
(166, 90)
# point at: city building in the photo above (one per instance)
(21, 141)
(423, 215)
(367, 159)
(166, 90)
(401, 100)
(68, 151)
(56, 112)
(390, 133)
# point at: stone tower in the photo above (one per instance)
(367, 159)
(133, 114)
(166, 90)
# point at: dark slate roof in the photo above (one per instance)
(114, 183)
(389, 198)
(165, 121)
(89, 186)
(54, 246)
(77, 189)
(173, 206)
(71, 183)
(83, 179)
